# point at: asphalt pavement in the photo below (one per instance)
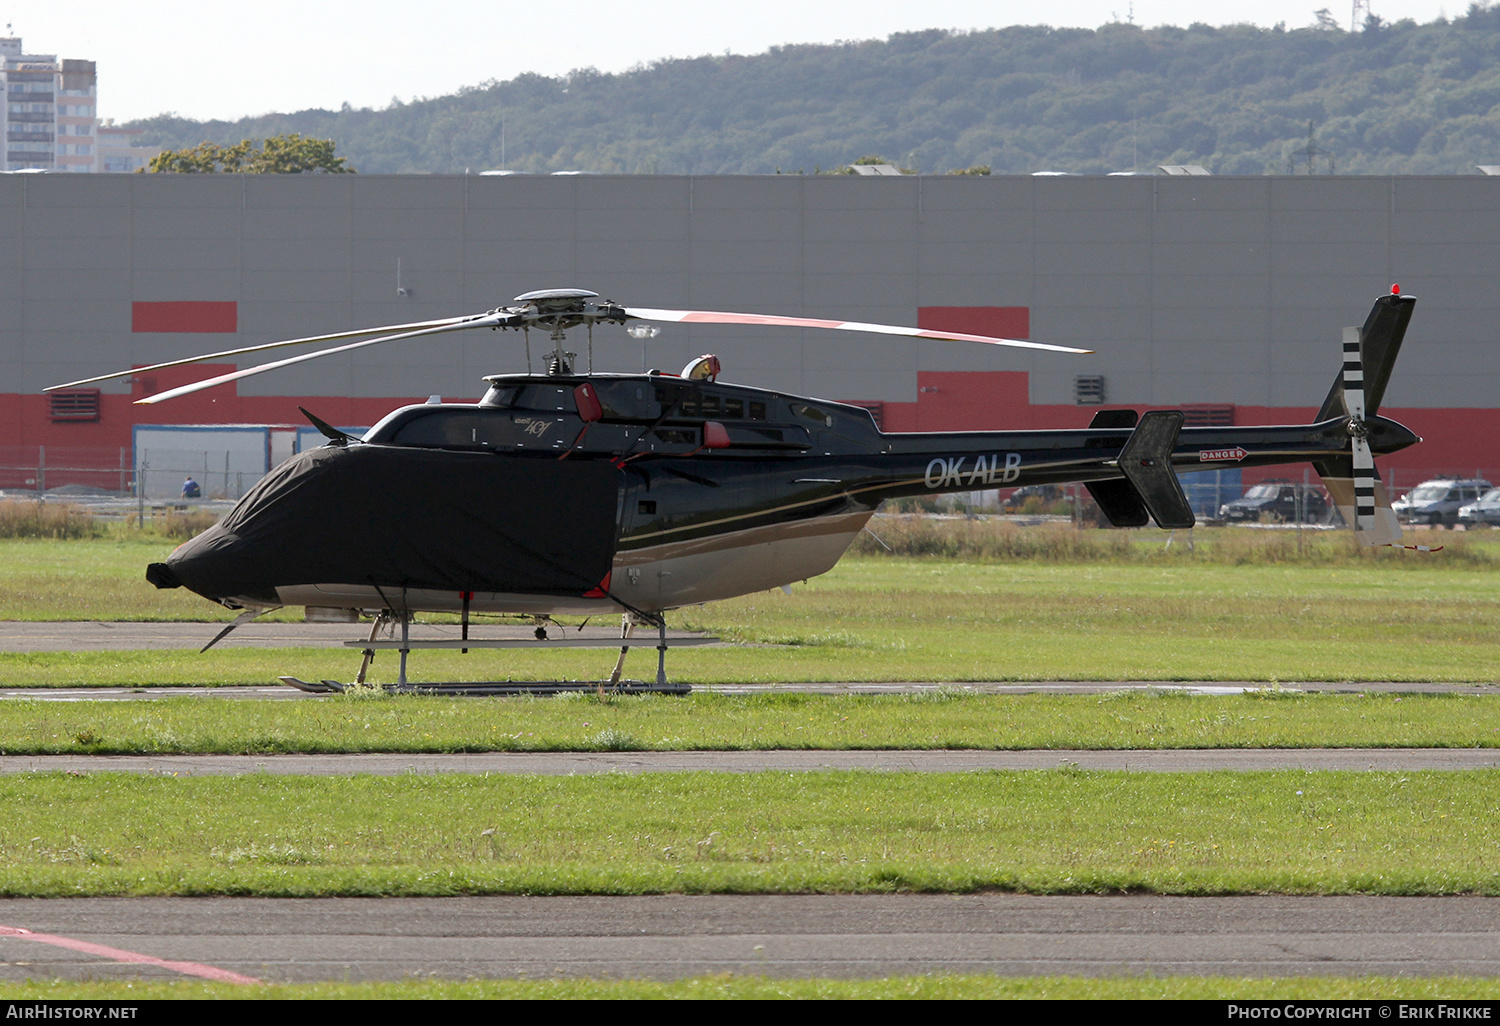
(671, 936)
(570, 763)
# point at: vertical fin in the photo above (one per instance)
(1380, 342)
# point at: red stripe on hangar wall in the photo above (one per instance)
(185, 316)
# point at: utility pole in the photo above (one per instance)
(1354, 20)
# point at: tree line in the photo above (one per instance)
(1390, 98)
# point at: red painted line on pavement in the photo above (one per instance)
(103, 951)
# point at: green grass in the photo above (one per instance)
(94, 579)
(990, 540)
(911, 619)
(946, 719)
(728, 987)
(827, 832)
(1217, 613)
(1252, 612)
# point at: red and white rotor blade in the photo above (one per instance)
(776, 321)
(483, 321)
(309, 340)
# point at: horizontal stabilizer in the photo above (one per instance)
(1118, 500)
(1119, 503)
(1146, 462)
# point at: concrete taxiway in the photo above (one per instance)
(669, 936)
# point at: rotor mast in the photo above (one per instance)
(560, 310)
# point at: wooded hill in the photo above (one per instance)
(1398, 98)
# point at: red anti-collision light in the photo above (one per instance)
(1395, 290)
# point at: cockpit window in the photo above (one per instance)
(542, 398)
(456, 429)
(812, 413)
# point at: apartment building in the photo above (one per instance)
(51, 122)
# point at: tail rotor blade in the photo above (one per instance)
(1354, 376)
(1352, 481)
(1364, 486)
(1374, 521)
(1359, 444)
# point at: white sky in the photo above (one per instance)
(209, 59)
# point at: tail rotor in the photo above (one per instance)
(1365, 504)
(1351, 480)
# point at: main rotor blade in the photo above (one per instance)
(255, 349)
(481, 321)
(772, 320)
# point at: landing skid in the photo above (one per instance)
(497, 687)
(406, 644)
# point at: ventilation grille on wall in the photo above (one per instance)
(877, 410)
(75, 404)
(1088, 389)
(1204, 415)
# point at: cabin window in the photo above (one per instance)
(812, 413)
(543, 398)
(458, 429)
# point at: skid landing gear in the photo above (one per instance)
(405, 644)
(498, 687)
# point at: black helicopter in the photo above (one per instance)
(567, 493)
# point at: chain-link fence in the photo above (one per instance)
(156, 474)
(44, 469)
(75, 473)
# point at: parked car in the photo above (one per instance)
(1276, 502)
(1034, 499)
(1436, 503)
(1483, 513)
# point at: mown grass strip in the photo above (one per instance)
(1044, 832)
(876, 619)
(104, 578)
(706, 722)
(941, 986)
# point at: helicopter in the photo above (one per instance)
(581, 493)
